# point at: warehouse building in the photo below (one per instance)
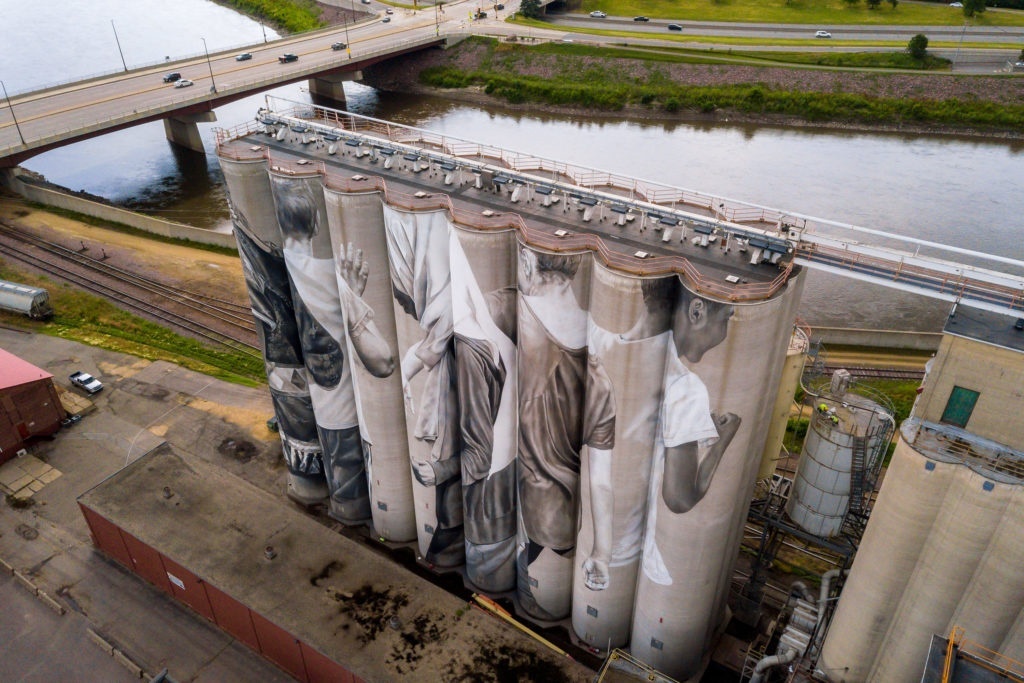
(29, 405)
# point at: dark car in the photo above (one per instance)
(86, 381)
(338, 46)
(675, 27)
(244, 57)
(499, 6)
(288, 57)
(640, 19)
(171, 77)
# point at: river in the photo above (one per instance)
(957, 191)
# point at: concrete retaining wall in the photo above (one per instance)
(155, 226)
(879, 339)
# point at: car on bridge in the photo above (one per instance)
(675, 27)
(244, 57)
(288, 57)
(641, 18)
(387, 19)
(172, 77)
(87, 382)
(183, 83)
(338, 46)
(598, 14)
(822, 34)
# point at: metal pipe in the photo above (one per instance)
(768, 662)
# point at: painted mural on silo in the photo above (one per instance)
(721, 373)
(308, 255)
(484, 310)
(270, 296)
(356, 224)
(630, 323)
(557, 417)
(418, 252)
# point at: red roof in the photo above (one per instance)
(14, 371)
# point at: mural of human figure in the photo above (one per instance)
(692, 438)
(564, 404)
(421, 280)
(485, 352)
(322, 330)
(266, 278)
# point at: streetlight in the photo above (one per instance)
(437, 19)
(264, 28)
(213, 86)
(348, 43)
(11, 106)
(118, 41)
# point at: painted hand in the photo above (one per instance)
(354, 268)
(595, 574)
(424, 473)
(727, 425)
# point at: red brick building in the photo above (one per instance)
(29, 405)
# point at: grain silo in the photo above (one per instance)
(793, 366)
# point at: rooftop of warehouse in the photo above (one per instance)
(636, 226)
(998, 329)
(327, 590)
(14, 371)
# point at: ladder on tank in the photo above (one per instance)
(857, 463)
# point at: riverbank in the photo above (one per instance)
(575, 79)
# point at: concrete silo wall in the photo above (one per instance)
(722, 361)
(627, 342)
(356, 223)
(788, 384)
(952, 552)
(259, 246)
(483, 267)
(995, 595)
(418, 249)
(909, 501)
(554, 292)
(309, 256)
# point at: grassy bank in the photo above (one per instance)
(823, 13)
(294, 16)
(89, 319)
(594, 78)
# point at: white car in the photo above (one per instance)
(956, 4)
(822, 34)
(183, 83)
(86, 381)
(598, 14)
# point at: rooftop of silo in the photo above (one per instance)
(985, 326)
(636, 226)
(949, 443)
(332, 592)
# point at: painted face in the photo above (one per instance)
(699, 325)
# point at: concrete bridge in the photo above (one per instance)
(42, 120)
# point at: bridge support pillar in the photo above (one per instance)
(183, 131)
(327, 90)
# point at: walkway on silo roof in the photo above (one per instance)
(948, 443)
(970, 664)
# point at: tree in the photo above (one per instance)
(873, 4)
(972, 7)
(531, 9)
(918, 46)
(894, 3)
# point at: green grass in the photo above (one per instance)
(295, 16)
(89, 319)
(819, 13)
(612, 84)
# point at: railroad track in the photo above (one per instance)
(224, 323)
(862, 372)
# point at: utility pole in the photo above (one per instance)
(118, 41)
(11, 106)
(213, 83)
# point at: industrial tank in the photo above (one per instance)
(483, 265)
(969, 515)
(630, 321)
(722, 360)
(418, 251)
(846, 439)
(31, 301)
(910, 498)
(309, 257)
(356, 223)
(554, 292)
(266, 276)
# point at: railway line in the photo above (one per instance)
(220, 322)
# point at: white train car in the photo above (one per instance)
(31, 301)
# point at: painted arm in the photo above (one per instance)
(602, 507)
(373, 351)
(687, 475)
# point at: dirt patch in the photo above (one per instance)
(425, 629)
(504, 664)
(239, 449)
(373, 609)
